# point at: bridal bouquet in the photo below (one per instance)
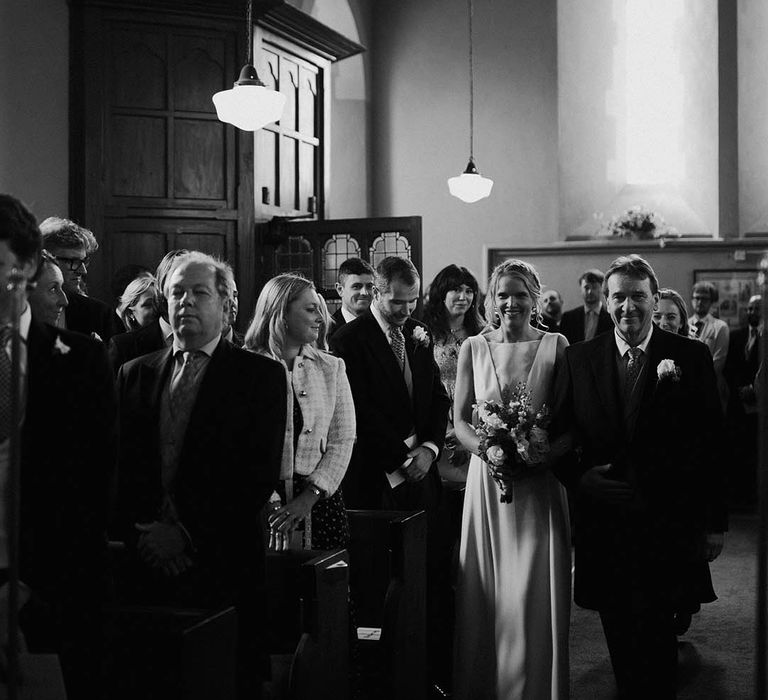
(513, 436)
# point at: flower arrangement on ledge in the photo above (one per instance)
(638, 223)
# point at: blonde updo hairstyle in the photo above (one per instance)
(521, 270)
(266, 331)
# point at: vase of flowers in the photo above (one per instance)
(638, 223)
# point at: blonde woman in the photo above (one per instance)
(139, 303)
(289, 325)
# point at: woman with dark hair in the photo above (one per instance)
(451, 312)
(671, 314)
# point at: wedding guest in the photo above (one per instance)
(289, 325)
(713, 332)
(740, 370)
(67, 448)
(154, 336)
(355, 289)
(452, 316)
(513, 594)
(139, 304)
(402, 410)
(590, 319)
(229, 331)
(46, 294)
(642, 404)
(671, 314)
(551, 310)
(212, 420)
(73, 246)
(122, 277)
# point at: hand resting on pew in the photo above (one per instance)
(285, 519)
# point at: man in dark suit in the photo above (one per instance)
(591, 318)
(72, 245)
(68, 442)
(402, 410)
(551, 310)
(201, 427)
(741, 366)
(642, 405)
(355, 289)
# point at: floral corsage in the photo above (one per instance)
(667, 369)
(420, 336)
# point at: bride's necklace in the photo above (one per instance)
(459, 335)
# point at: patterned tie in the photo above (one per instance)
(398, 344)
(699, 325)
(5, 385)
(633, 370)
(750, 342)
(184, 383)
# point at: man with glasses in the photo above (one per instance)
(72, 246)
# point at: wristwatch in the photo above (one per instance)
(318, 492)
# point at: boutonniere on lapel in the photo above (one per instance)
(60, 347)
(420, 337)
(668, 370)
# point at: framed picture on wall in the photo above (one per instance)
(734, 287)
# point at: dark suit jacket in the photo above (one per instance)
(572, 324)
(127, 346)
(228, 465)
(648, 549)
(384, 410)
(88, 315)
(741, 370)
(68, 452)
(337, 321)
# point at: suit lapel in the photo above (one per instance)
(381, 351)
(603, 367)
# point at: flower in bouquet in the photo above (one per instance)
(513, 437)
(639, 223)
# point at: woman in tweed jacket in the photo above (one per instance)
(289, 324)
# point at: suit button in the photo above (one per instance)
(301, 365)
(302, 393)
(308, 430)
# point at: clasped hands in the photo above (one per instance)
(163, 546)
(421, 459)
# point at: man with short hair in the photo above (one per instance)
(229, 331)
(711, 331)
(551, 310)
(591, 318)
(68, 442)
(402, 411)
(201, 425)
(72, 246)
(642, 406)
(355, 289)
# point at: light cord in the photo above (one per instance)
(471, 91)
(249, 31)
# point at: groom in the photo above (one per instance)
(643, 407)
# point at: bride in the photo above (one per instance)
(514, 585)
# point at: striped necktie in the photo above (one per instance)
(5, 385)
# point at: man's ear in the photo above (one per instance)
(339, 289)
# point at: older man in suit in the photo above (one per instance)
(201, 426)
(643, 408)
(402, 410)
(590, 319)
(68, 442)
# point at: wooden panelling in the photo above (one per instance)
(136, 247)
(138, 68)
(199, 163)
(198, 72)
(138, 156)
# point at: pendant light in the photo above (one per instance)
(248, 104)
(470, 186)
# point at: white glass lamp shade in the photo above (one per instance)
(249, 105)
(470, 186)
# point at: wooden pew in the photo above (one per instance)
(388, 581)
(307, 625)
(165, 653)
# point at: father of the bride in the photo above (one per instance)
(643, 407)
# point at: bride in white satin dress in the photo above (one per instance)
(514, 586)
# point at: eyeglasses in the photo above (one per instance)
(74, 263)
